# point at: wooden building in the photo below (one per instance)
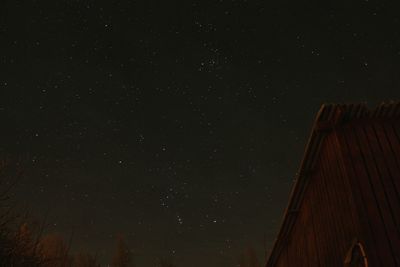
(344, 208)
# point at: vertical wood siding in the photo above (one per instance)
(352, 193)
(326, 224)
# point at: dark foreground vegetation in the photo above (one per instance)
(25, 243)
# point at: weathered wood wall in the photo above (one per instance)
(371, 153)
(327, 223)
(352, 193)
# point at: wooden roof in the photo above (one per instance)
(328, 117)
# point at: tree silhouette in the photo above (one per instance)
(54, 251)
(16, 243)
(122, 255)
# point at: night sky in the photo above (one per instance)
(179, 125)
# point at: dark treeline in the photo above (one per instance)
(25, 243)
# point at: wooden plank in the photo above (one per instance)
(303, 220)
(345, 222)
(314, 244)
(308, 254)
(316, 214)
(349, 222)
(297, 244)
(367, 235)
(312, 253)
(290, 251)
(386, 144)
(324, 242)
(392, 138)
(296, 248)
(281, 261)
(332, 230)
(330, 209)
(385, 167)
(374, 173)
(368, 195)
(284, 260)
(305, 252)
(344, 183)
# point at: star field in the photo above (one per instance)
(178, 124)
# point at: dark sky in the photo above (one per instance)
(178, 124)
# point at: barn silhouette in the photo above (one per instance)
(344, 208)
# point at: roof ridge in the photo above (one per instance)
(349, 112)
